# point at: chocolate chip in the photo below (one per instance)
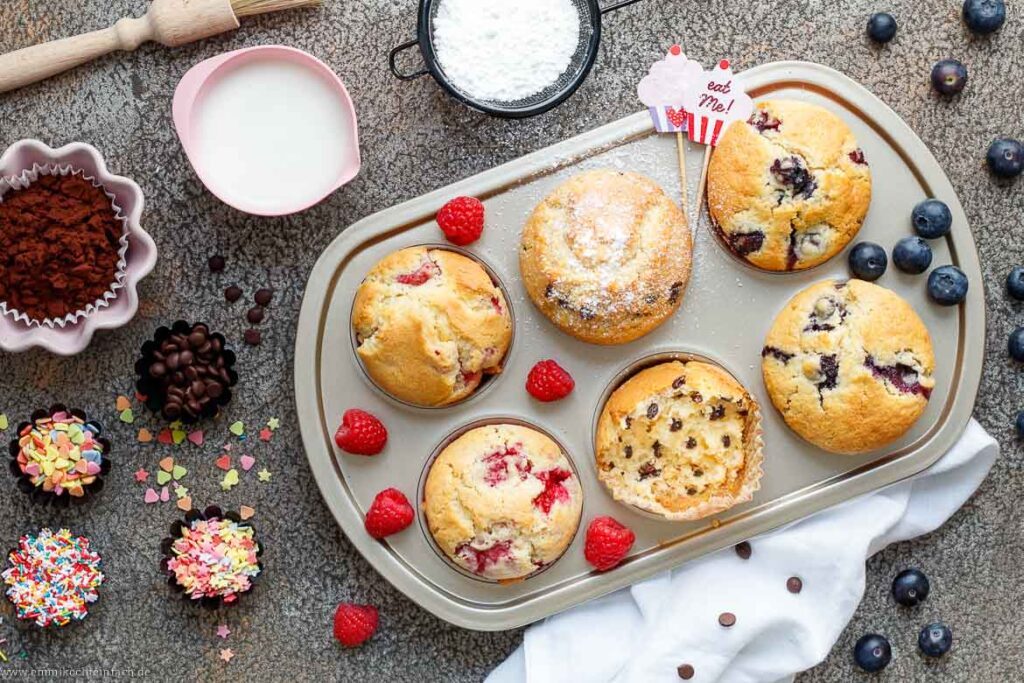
(673, 292)
(676, 425)
(252, 337)
(691, 442)
(629, 422)
(233, 293)
(648, 470)
(263, 296)
(743, 549)
(216, 263)
(794, 584)
(726, 440)
(726, 619)
(656, 447)
(698, 472)
(691, 491)
(685, 671)
(255, 315)
(629, 452)
(679, 381)
(696, 397)
(652, 411)
(718, 412)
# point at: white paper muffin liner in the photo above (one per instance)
(26, 178)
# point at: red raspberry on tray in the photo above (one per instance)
(389, 513)
(462, 220)
(354, 624)
(361, 433)
(608, 542)
(549, 381)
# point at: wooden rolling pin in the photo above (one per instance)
(168, 22)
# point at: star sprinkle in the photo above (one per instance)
(127, 416)
(145, 436)
(237, 428)
(247, 462)
(53, 577)
(230, 480)
(180, 491)
(223, 631)
(226, 654)
(141, 475)
(266, 434)
(273, 423)
(264, 475)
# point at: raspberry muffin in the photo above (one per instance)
(849, 365)
(681, 440)
(430, 324)
(502, 501)
(606, 256)
(790, 189)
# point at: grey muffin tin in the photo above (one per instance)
(724, 316)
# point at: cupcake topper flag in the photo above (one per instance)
(663, 90)
(712, 105)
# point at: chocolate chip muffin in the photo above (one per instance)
(606, 256)
(790, 189)
(849, 365)
(430, 324)
(502, 501)
(681, 440)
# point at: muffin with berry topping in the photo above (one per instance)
(502, 501)
(430, 324)
(606, 256)
(849, 365)
(682, 440)
(790, 188)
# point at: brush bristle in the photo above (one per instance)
(247, 8)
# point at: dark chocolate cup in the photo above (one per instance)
(35, 493)
(211, 512)
(156, 398)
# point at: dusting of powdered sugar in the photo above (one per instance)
(505, 50)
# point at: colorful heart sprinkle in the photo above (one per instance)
(167, 464)
(122, 404)
(165, 437)
(185, 504)
(127, 416)
(178, 436)
(245, 512)
(237, 428)
(178, 472)
(196, 437)
(151, 496)
(4, 423)
(162, 477)
(145, 436)
(224, 462)
(247, 461)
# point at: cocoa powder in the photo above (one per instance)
(59, 242)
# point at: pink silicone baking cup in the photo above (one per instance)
(70, 338)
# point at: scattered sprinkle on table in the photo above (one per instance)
(214, 558)
(122, 403)
(223, 631)
(145, 436)
(237, 428)
(273, 423)
(266, 434)
(744, 550)
(247, 462)
(226, 654)
(245, 512)
(230, 480)
(264, 475)
(263, 296)
(217, 263)
(141, 475)
(685, 671)
(794, 584)
(61, 453)
(53, 577)
(233, 294)
(726, 619)
(224, 462)
(4, 422)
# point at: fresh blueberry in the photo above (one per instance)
(882, 27)
(984, 16)
(912, 255)
(935, 639)
(1015, 283)
(868, 261)
(1005, 157)
(1020, 424)
(1016, 345)
(872, 652)
(910, 587)
(949, 76)
(932, 219)
(947, 285)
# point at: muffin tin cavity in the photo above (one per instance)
(537, 505)
(491, 359)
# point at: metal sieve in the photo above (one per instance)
(582, 60)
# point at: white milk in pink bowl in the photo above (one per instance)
(269, 130)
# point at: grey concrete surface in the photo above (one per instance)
(414, 140)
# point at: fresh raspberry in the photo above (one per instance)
(389, 513)
(607, 544)
(548, 381)
(361, 433)
(354, 624)
(462, 220)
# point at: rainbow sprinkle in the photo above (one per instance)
(215, 558)
(60, 453)
(53, 577)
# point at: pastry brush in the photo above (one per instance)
(168, 22)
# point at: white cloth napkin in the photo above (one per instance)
(645, 632)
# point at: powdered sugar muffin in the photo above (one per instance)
(849, 365)
(606, 256)
(681, 440)
(429, 325)
(790, 188)
(502, 501)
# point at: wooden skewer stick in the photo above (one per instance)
(681, 149)
(703, 177)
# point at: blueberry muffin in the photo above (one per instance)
(502, 501)
(790, 188)
(681, 440)
(849, 365)
(606, 256)
(430, 324)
